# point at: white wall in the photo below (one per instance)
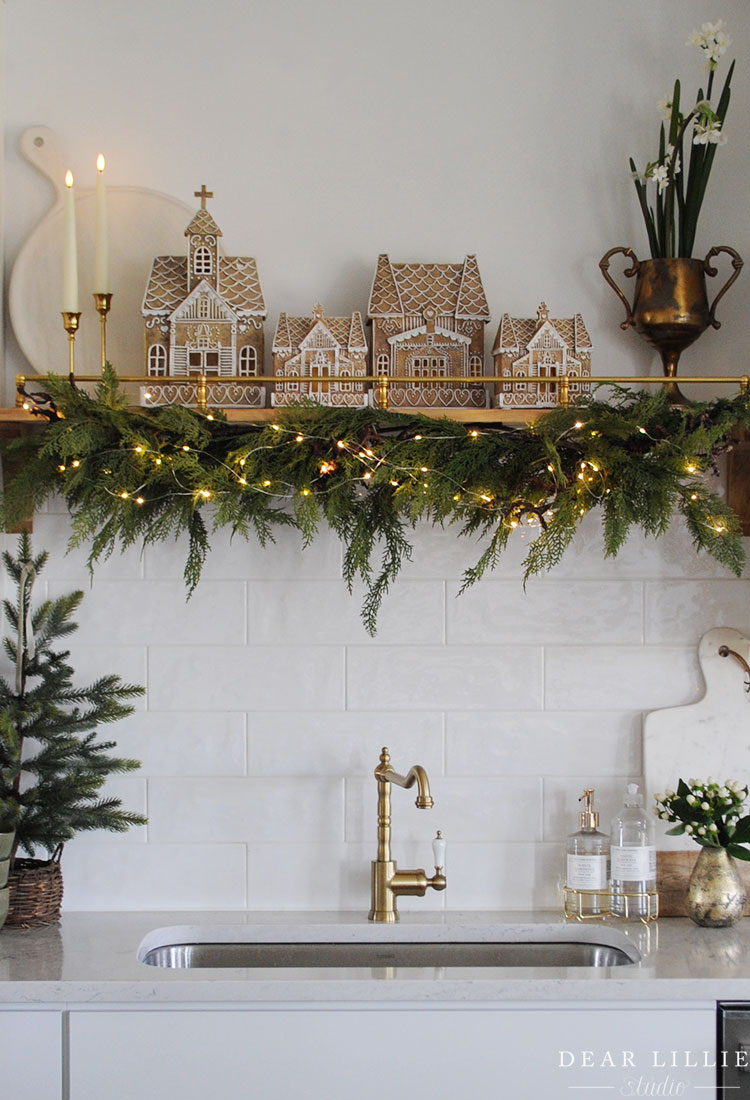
(331, 132)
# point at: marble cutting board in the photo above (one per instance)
(707, 738)
(142, 224)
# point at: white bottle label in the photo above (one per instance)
(587, 872)
(633, 864)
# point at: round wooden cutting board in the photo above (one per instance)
(142, 224)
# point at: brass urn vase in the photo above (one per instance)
(670, 302)
(715, 897)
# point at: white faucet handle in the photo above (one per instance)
(438, 851)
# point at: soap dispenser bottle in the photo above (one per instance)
(587, 872)
(633, 860)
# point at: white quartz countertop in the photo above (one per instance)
(93, 958)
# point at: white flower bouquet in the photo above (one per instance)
(671, 222)
(709, 812)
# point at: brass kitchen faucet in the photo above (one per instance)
(387, 882)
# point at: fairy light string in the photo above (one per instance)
(135, 474)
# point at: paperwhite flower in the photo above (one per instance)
(701, 830)
(688, 828)
(691, 800)
(665, 107)
(713, 827)
(660, 173)
(724, 791)
(669, 794)
(705, 806)
(708, 133)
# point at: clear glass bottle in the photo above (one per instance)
(587, 871)
(633, 860)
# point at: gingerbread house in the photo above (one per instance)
(533, 351)
(203, 316)
(428, 323)
(328, 356)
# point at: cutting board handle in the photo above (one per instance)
(41, 148)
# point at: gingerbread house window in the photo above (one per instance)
(157, 360)
(382, 364)
(424, 366)
(202, 307)
(248, 362)
(202, 261)
(475, 366)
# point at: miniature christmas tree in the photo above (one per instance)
(52, 766)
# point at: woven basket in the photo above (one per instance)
(36, 889)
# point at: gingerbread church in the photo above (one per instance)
(428, 323)
(536, 351)
(203, 316)
(328, 356)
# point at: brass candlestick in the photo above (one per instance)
(70, 324)
(103, 303)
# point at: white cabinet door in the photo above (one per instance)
(346, 1052)
(31, 1046)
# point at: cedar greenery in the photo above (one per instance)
(52, 766)
(151, 475)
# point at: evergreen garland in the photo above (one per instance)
(148, 475)
(52, 766)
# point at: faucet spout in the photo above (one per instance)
(387, 881)
(384, 773)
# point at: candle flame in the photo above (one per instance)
(100, 163)
(68, 178)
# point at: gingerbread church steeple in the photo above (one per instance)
(203, 240)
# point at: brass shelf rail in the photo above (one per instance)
(382, 383)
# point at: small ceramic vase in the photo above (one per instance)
(715, 897)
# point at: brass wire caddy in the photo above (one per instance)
(644, 906)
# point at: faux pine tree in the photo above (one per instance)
(52, 767)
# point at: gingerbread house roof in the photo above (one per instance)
(516, 333)
(202, 223)
(449, 289)
(239, 284)
(348, 332)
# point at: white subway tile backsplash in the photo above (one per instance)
(469, 810)
(325, 612)
(679, 612)
(268, 705)
(227, 810)
(342, 743)
(154, 876)
(505, 876)
(309, 876)
(545, 612)
(236, 558)
(598, 677)
(209, 743)
(239, 677)
(444, 677)
(505, 742)
(152, 612)
(51, 533)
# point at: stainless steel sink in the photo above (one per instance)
(562, 953)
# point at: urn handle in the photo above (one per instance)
(737, 264)
(629, 273)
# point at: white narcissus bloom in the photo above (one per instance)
(688, 828)
(660, 173)
(701, 830)
(709, 133)
(665, 107)
(705, 806)
(691, 799)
